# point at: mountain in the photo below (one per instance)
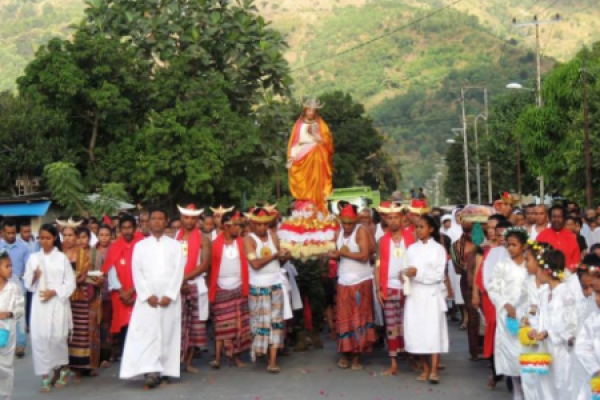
(406, 60)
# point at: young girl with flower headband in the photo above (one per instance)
(507, 291)
(534, 357)
(557, 322)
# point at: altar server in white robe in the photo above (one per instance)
(49, 275)
(153, 344)
(12, 307)
(587, 346)
(425, 325)
(508, 293)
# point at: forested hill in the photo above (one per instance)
(409, 79)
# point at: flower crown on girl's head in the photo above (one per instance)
(590, 266)
(516, 230)
(539, 250)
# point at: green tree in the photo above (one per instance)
(214, 35)
(31, 136)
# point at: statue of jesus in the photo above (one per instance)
(310, 158)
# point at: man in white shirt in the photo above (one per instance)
(541, 221)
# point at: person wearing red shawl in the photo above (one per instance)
(117, 266)
(561, 238)
(355, 320)
(196, 250)
(310, 158)
(391, 260)
(228, 292)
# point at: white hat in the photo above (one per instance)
(190, 211)
(446, 218)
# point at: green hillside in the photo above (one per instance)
(409, 80)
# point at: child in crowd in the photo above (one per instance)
(12, 307)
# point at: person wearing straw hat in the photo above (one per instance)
(355, 320)
(310, 157)
(194, 292)
(267, 297)
(391, 260)
(228, 291)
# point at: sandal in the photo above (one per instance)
(274, 370)
(343, 363)
(63, 379)
(46, 386)
(422, 378)
(434, 379)
(389, 373)
(358, 367)
(463, 327)
(214, 364)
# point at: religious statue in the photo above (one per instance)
(310, 158)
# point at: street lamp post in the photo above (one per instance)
(538, 80)
(465, 145)
(477, 165)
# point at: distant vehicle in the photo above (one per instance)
(362, 197)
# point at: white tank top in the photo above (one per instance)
(397, 264)
(352, 272)
(230, 275)
(270, 274)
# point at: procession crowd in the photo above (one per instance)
(149, 291)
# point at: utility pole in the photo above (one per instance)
(586, 139)
(487, 133)
(538, 98)
(465, 146)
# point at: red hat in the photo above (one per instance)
(419, 207)
(348, 213)
(387, 207)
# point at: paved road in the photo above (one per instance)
(312, 375)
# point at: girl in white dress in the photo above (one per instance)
(11, 309)
(508, 293)
(557, 322)
(50, 277)
(425, 325)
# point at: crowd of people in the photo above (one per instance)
(149, 291)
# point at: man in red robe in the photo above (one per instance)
(196, 249)
(560, 238)
(117, 266)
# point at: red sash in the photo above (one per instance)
(217, 253)
(119, 256)
(384, 257)
(194, 243)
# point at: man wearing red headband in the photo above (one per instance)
(391, 260)
(194, 306)
(355, 320)
(228, 292)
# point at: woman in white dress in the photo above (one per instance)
(587, 346)
(508, 293)
(50, 277)
(425, 325)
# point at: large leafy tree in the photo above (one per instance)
(214, 35)
(96, 82)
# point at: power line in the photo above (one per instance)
(377, 38)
